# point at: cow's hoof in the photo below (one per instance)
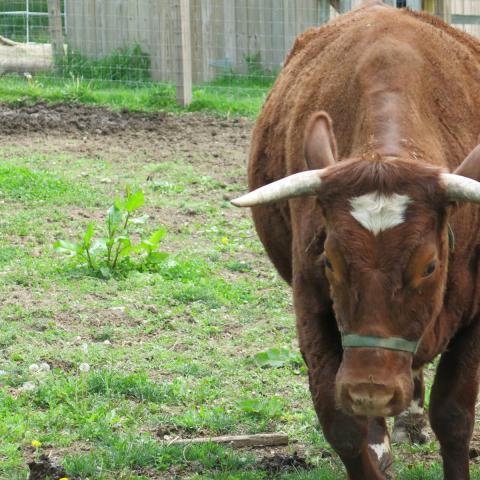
(410, 429)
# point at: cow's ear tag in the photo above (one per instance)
(320, 147)
(470, 167)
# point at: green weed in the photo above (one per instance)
(114, 253)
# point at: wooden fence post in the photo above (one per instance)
(183, 49)
(55, 28)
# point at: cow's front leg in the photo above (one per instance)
(411, 425)
(321, 348)
(452, 402)
(362, 444)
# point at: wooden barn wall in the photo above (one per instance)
(224, 33)
(466, 7)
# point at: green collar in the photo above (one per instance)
(353, 340)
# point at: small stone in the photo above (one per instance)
(152, 309)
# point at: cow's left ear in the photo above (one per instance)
(320, 147)
(470, 167)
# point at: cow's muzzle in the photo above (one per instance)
(374, 382)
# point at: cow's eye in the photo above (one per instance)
(328, 264)
(431, 267)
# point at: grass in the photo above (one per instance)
(204, 346)
(220, 98)
(151, 340)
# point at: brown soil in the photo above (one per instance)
(190, 132)
(44, 468)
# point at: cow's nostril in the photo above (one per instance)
(370, 399)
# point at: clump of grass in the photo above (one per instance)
(136, 453)
(128, 64)
(219, 97)
(25, 185)
(133, 385)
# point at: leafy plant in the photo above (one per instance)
(278, 357)
(260, 407)
(117, 251)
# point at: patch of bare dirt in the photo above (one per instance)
(44, 468)
(282, 463)
(187, 132)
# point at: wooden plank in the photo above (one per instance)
(207, 26)
(414, 4)
(290, 21)
(55, 29)
(324, 12)
(278, 35)
(184, 53)
(465, 19)
(345, 6)
(241, 27)
(198, 74)
(155, 47)
(257, 440)
(132, 21)
(143, 22)
(218, 38)
(71, 19)
(230, 32)
(89, 22)
(265, 33)
(253, 25)
(100, 28)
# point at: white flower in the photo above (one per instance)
(107, 342)
(33, 368)
(84, 367)
(28, 387)
(44, 367)
(85, 347)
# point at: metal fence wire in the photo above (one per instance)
(228, 43)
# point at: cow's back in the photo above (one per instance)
(321, 73)
(328, 69)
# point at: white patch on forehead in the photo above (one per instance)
(381, 449)
(377, 212)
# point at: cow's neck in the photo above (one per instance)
(387, 126)
(390, 118)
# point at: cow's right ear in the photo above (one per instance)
(320, 146)
(470, 167)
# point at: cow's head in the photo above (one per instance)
(385, 257)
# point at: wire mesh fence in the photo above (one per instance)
(230, 45)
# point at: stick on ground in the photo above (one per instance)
(258, 440)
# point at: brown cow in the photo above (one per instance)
(362, 223)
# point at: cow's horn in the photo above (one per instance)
(461, 189)
(296, 185)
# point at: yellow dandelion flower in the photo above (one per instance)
(36, 444)
(64, 478)
(224, 240)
